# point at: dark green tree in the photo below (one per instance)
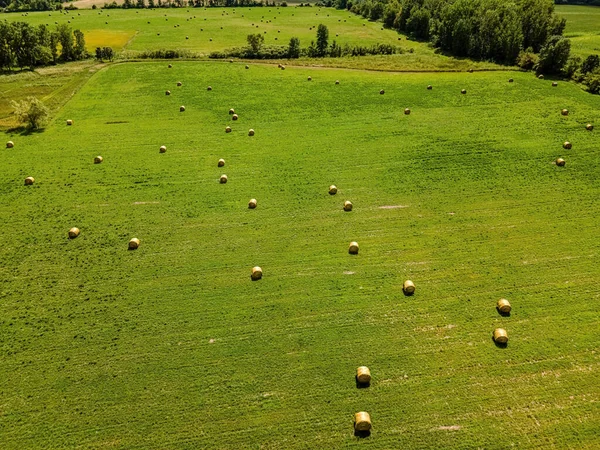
(294, 48)
(322, 40)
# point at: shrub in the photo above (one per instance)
(527, 59)
(554, 55)
(592, 82)
(31, 111)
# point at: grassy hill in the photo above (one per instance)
(173, 346)
(583, 28)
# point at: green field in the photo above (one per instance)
(172, 345)
(583, 28)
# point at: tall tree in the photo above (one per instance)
(322, 40)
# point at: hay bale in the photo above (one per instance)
(11, 144)
(510, 80)
(223, 179)
(353, 248)
(69, 122)
(98, 159)
(247, 66)
(408, 287)
(231, 111)
(500, 336)
(250, 132)
(221, 163)
(234, 117)
(347, 205)
(382, 92)
(429, 87)
(309, 78)
(231, 60)
(588, 127)
(337, 81)
(167, 92)
(332, 189)
(170, 66)
(407, 111)
(279, 65)
(187, 37)
(362, 421)
(282, 67)
(227, 129)
(29, 181)
(162, 149)
(252, 203)
(503, 306)
(554, 84)
(179, 83)
(560, 162)
(470, 70)
(256, 273)
(464, 91)
(181, 108)
(540, 77)
(363, 375)
(134, 243)
(567, 145)
(564, 112)
(73, 233)
(209, 88)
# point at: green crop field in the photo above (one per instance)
(173, 346)
(583, 28)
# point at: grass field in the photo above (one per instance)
(172, 345)
(583, 28)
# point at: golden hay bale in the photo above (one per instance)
(382, 92)
(500, 336)
(503, 306)
(73, 233)
(231, 60)
(567, 145)
(162, 149)
(282, 67)
(256, 273)
(209, 88)
(187, 37)
(429, 87)
(231, 111)
(353, 248)
(408, 287)
(407, 111)
(234, 117)
(69, 122)
(167, 92)
(588, 127)
(363, 375)
(250, 132)
(247, 67)
(554, 84)
(332, 189)
(252, 203)
(221, 163)
(347, 205)
(170, 66)
(223, 179)
(134, 243)
(29, 181)
(181, 108)
(560, 162)
(309, 78)
(470, 70)
(337, 81)
(540, 77)
(98, 159)
(510, 80)
(464, 91)
(227, 129)
(11, 144)
(179, 83)
(362, 421)
(564, 112)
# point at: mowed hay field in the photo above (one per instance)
(173, 346)
(583, 28)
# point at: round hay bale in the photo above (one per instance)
(227, 129)
(382, 92)
(503, 306)
(11, 144)
(69, 122)
(464, 91)
(98, 159)
(187, 37)
(564, 112)
(560, 162)
(347, 205)
(429, 87)
(279, 65)
(209, 88)
(500, 336)
(332, 189)
(282, 67)
(353, 248)
(167, 92)
(470, 70)
(540, 77)
(234, 117)
(256, 273)
(170, 66)
(408, 287)
(223, 179)
(337, 81)
(588, 127)
(510, 80)
(73, 233)
(554, 84)
(162, 149)
(250, 132)
(309, 78)
(29, 181)
(252, 203)
(221, 163)
(179, 83)
(231, 111)
(231, 60)
(362, 421)
(181, 108)
(247, 66)
(134, 243)
(407, 111)
(567, 145)
(363, 375)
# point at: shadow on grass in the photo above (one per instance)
(499, 345)
(362, 434)
(503, 314)
(360, 385)
(25, 131)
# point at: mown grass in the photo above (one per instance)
(172, 345)
(583, 28)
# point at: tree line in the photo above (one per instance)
(24, 45)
